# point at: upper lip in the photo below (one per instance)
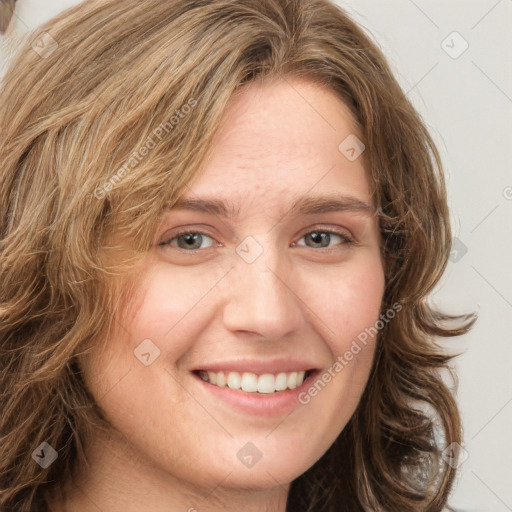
(259, 366)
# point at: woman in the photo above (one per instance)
(220, 224)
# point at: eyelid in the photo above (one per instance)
(335, 230)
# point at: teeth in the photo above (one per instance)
(234, 380)
(249, 382)
(266, 383)
(281, 382)
(252, 383)
(221, 379)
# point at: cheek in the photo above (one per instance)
(144, 323)
(347, 310)
(165, 304)
(351, 301)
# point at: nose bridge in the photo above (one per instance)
(261, 297)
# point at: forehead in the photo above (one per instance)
(268, 118)
(279, 141)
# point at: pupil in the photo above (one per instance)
(318, 237)
(191, 238)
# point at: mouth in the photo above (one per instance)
(256, 388)
(254, 383)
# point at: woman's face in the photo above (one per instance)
(270, 267)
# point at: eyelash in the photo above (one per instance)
(347, 240)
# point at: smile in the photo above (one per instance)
(266, 383)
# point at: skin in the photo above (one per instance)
(175, 446)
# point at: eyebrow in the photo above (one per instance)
(310, 205)
(305, 205)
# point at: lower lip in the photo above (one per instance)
(268, 405)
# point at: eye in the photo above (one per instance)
(322, 238)
(188, 240)
(319, 239)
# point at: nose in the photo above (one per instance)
(262, 298)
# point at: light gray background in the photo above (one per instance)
(467, 103)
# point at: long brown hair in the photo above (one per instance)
(76, 111)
